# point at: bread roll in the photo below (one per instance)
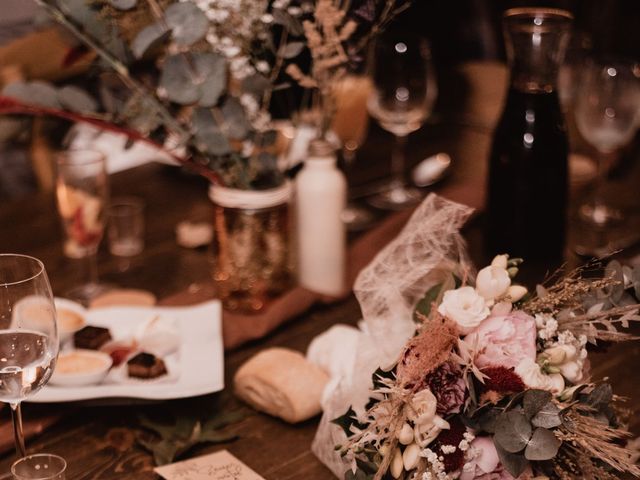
(282, 383)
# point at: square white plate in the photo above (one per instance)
(196, 369)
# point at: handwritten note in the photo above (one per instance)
(217, 466)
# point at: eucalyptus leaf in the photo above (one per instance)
(209, 138)
(33, 93)
(235, 118)
(213, 70)
(148, 38)
(534, 400)
(187, 22)
(291, 50)
(123, 4)
(514, 463)
(177, 80)
(543, 445)
(547, 417)
(77, 100)
(512, 431)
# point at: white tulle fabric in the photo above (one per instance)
(388, 289)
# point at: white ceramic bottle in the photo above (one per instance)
(321, 192)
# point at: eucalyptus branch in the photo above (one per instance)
(123, 72)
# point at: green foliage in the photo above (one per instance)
(347, 420)
(186, 431)
(423, 307)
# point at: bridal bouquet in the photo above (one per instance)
(495, 383)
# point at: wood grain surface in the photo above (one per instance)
(98, 441)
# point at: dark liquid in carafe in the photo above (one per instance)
(527, 197)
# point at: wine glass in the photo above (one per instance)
(404, 91)
(606, 113)
(82, 190)
(350, 123)
(28, 334)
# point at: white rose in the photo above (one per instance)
(465, 307)
(492, 282)
(533, 377)
(422, 408)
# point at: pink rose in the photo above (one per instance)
(486, 465)
(505, 340)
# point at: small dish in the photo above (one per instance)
(71, 318)
(81, 367)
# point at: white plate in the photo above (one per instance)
(196, 369)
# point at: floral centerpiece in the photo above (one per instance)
(495, 383)
(198, 77)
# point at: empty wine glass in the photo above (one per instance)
(606, 112)
(82, 193)
(28, 333)
(350, 123)
(404, 91)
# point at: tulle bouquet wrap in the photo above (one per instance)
(457, 375)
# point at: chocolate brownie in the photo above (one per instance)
(91, 338)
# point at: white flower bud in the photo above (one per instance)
(516, 292)
(555, 355)
(572, 371)
(396, 463)
(411, 456)
(492, 282)
(500, 261)
(405, 437)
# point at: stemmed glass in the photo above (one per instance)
(404, 91)
(82, 190)
(606, 109)
(350, 123)
(28, 333)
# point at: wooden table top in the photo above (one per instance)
(98, 441)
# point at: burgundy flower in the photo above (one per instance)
(447, 385)
(452, 437)
(502, 380)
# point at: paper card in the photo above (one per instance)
(217, 466)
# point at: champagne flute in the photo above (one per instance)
(404, 91)
(606, 112)
(82, 191)
(28, 334)
(350, 123)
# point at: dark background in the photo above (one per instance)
(462, 30)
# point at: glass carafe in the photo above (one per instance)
(528, 184)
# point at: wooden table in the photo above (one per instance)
(98, 441)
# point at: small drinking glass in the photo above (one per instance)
(28, 334)
(41, 466)
(403, 94)
(82, 190)
(350, 123)
(126, 227)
